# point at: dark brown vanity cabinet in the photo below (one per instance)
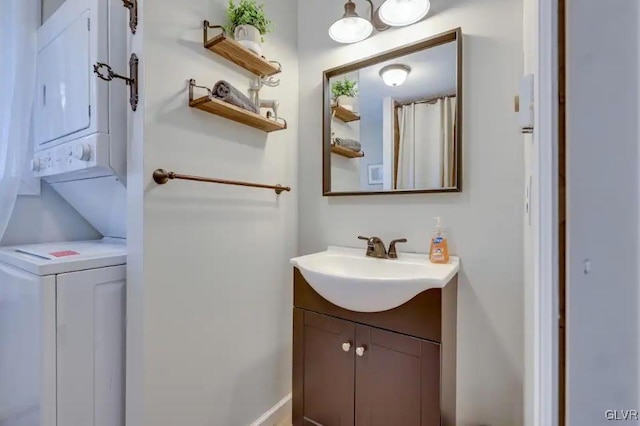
(393, 368)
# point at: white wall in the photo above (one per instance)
(602, 197)
(484, 222)
(210, 295)
(46, 218)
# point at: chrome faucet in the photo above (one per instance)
(376, 248)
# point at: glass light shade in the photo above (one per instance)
(399, 13)
(394, 75)
(350, 29)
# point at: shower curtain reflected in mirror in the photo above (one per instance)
(424, 146)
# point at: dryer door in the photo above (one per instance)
(27, 348)
(63, 84)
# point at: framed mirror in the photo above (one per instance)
(392, 122)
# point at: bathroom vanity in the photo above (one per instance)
(390, 367)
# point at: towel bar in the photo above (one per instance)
(161, 176)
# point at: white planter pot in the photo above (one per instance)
(249, 37)
(345, 102)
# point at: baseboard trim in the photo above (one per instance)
(277, 414)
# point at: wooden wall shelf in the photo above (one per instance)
(344, 114)
(240, 55)
(346, 152)
(239, 115)
(232, 112)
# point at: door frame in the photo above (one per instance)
(545, 222)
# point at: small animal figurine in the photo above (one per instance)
(273, 104)
(257, 84)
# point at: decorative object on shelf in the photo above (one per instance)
(273, 105)
(395, 75)
(336, 149)
(248, 24)
(376, 174)
(344, 93)
(131, 81)
(132, 5)
(223, 109)
(352, 28)
(226, 92)
(347, 143)
(161, 177)
(235, 52)
(257, 84)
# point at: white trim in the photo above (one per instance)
(276, 414)
(545, 219)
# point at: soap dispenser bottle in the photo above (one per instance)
(439, 251)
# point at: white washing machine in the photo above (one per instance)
(62, 334)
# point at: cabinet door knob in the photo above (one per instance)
(360, 350)
(346, 346)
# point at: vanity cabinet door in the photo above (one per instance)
(324, 351)
(397, 379)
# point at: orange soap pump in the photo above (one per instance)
(439, 252)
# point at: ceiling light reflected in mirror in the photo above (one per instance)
(394, 75)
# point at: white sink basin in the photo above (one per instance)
(349, 279)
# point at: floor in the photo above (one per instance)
(285, 422)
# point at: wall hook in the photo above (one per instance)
(131, 81)
(132, 5)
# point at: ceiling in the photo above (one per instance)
(433, 73)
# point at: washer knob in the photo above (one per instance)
(83, 152)
(35, 165)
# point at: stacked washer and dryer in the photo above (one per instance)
(62, 305)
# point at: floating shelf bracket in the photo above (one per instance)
(131, 81)
(206, 26)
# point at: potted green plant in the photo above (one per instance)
(344, 93)
(248, 24)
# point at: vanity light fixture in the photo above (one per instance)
(351, 28)
(394, 75)
(399, 13)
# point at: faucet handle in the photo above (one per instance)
(393, 254)
(364, 238)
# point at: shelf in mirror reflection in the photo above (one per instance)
(345, 152)
(344, 114)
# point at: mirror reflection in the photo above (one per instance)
(394, 122)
